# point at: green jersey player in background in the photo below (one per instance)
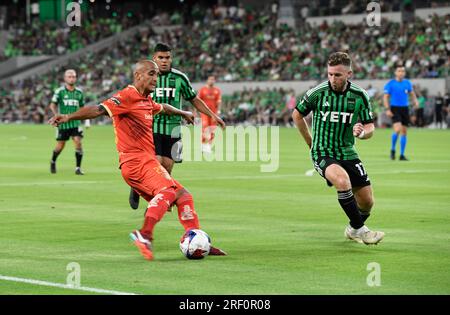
(66, 100)
(341, 111)
(172, 88)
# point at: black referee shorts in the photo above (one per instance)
(401, 114)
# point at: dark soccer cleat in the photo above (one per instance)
(403, 158)
(213, 251)
(78, 171)
(392, 155)
(134, 199)
(53, 167)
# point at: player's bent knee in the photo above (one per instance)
(183, 194)
(342, 183)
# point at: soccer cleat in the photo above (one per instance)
(392, 155)
(134, 199)
(351, 234)
(213, 251)
(78, 171)
(403, 158)
(364, 235)
(53, 167)
(144, 245)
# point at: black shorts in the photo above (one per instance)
(65, 134)
(169, 147)
(401, 114)
(354, 168)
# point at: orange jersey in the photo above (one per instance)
(132, 115)
(211, 96)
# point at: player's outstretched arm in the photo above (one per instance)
(302, 127)
(170, 110)
(86, 112)
(202, 108)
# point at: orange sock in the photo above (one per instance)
(186, 212)
(157, 207)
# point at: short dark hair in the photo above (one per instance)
(339, 58)
(399, 65)
(162, 47)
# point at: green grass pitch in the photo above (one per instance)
(283, 230)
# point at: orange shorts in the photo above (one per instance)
(147, 176)
(207, 121)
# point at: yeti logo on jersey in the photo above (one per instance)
(70, 102)
(335, 117)
(164, 92)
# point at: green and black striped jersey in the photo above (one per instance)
(68, 102)
(172, 88)
(334, 115)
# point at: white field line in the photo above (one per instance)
(308, 173)
(81, 182)
(63, 286)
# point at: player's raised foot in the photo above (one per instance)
(144, 245)
(403, 158)
(78, 171)
(392, 155)
(214, 251)
(53, 167)
(133, 199)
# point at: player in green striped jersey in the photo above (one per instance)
(66, 100)
(172, 88)
(341, 111)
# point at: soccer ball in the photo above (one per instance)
(195, 244)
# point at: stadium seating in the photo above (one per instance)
(56, 38)
(236, 45)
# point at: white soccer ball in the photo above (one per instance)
(195, 244)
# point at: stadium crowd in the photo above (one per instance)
(247, 47)
(237, 44)
(57, 38)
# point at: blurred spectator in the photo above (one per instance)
(438, 107)
(422, 99)
(56, 38)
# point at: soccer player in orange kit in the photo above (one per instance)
(132, 110)
(212, 96)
